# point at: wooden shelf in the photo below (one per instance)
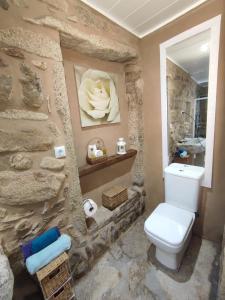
(113, 159)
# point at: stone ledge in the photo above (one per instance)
(105, 228)
(91, 44)
(104, 216)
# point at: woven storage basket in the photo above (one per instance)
(100, 146)
(64, 293)
(54, 275)
(114, 197)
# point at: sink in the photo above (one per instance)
(192, 145)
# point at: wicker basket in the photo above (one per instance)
(100, 146)
(114, 197)
(54, 275)
(63, 293)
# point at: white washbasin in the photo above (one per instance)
(192, 145)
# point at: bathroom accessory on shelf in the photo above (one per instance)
(121, 146)
(96, 151)
(114, 197)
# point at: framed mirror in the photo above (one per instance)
(188, 66)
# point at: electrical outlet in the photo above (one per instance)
(60, 151)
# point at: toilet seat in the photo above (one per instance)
(169, 224)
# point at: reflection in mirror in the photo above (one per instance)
(187, 96)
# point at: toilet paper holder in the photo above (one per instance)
(90, 207)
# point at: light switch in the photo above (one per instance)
(60, 151)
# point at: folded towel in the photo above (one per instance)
(37, 261)
(44, 240)
(26, 250)
(40, 242)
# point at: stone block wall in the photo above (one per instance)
(182, 90)
(38, 191)
(6, 278)
(134, 90)
(103, 229)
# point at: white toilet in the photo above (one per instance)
(169, 227)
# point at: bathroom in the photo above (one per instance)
(47, 129)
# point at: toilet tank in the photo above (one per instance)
(182, 185)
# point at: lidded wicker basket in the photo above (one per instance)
(114, 197)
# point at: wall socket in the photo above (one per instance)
(60, 151)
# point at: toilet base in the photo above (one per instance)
(172, 260)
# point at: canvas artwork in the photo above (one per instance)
(97, 96)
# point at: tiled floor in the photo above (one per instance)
(129, 271)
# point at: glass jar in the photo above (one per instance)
(121, 146)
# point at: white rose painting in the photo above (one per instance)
(97, 97)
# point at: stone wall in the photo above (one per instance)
(6, 278)
(103, 229)
(182, 90)
(38, 191)
(134, 90)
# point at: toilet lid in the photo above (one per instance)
(169, 223)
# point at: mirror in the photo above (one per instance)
(187, 73)
(188, 67)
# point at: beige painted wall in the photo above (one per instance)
(93, 184)
(109, 133)
(212, 206)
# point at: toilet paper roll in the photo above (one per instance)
(90, 207)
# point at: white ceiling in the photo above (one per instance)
(190, 56)
(142, 17)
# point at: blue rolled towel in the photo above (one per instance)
(40, 242)
(37, 261)
(44, 240)
(26, 250)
